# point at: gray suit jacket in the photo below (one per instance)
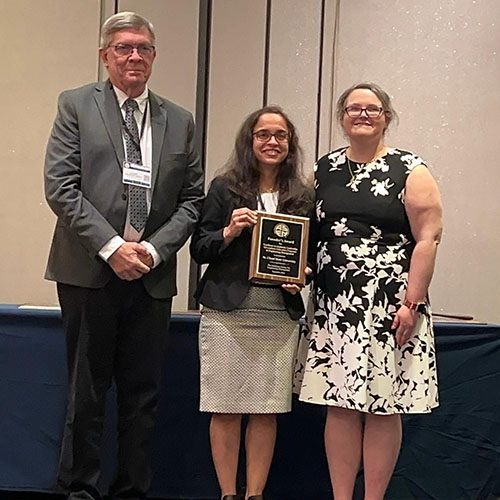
(83, 186)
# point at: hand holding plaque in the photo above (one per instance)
(241, 218)
(279, 248)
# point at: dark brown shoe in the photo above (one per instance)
(256, 497)
(231, 497)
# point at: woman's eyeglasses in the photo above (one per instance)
(370, 111)
(265, 135)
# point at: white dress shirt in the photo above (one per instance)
(268, 202)
(129, 233)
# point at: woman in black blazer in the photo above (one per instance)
(248, 332)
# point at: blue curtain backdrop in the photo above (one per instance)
(453, 453)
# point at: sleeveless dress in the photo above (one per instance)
(348, 356)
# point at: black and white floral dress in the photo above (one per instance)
(348, 356)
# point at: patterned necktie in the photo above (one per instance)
(137, 205)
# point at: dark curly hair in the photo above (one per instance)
(242, 174)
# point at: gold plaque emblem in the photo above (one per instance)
(281, 230)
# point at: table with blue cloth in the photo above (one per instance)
(451, 454)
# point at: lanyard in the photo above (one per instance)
(260, 202)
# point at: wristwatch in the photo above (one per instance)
(415, 306)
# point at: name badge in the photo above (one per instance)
(136, 175)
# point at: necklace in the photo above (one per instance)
(353, 175)
(361, 166)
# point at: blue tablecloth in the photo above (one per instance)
(451, 454)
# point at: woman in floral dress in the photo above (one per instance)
(368, 347)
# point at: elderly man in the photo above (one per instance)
(122, 176)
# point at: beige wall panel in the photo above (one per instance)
(48, 47)
(174, 77)
(441, 63)
(235, 75)
(107, 10)
(327, 103)
(294, 61)
(176, 29)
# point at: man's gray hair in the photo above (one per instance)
(123, 21)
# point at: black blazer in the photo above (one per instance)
(225, 283)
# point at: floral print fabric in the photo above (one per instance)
(348, 355)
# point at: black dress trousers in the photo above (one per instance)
(113, 333)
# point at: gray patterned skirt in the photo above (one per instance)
(247, 355)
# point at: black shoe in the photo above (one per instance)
(231, 497)
(256, 497)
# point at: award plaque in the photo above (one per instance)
(279, 248)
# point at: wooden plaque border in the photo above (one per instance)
(256, 245)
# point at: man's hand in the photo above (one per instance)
(147, 259)
(129, 261)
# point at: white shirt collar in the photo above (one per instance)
(142, 100)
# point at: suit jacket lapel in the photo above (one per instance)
(110, 112)
(158, 127)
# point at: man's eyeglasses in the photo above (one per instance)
(265, 135)
(371, 111)
(125, 49)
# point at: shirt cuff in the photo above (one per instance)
(154, 253)
(111, 247)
